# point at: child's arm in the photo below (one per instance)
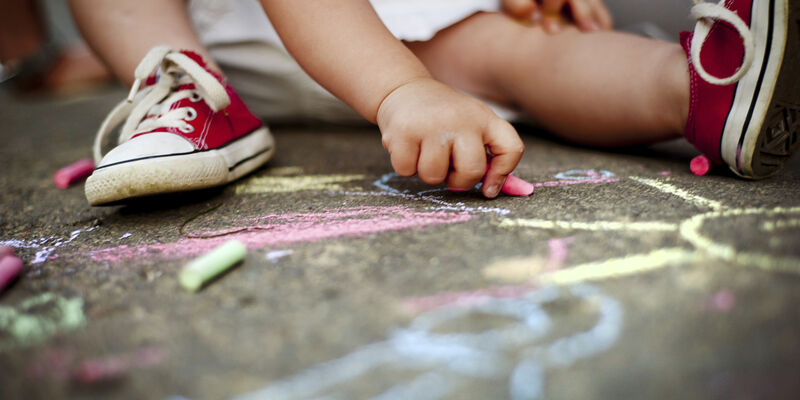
(427, 127)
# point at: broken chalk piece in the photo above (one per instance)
(6, 251)
(700, 165)
(204, 268)
(517, 187)
(10, 267)
(73, 173)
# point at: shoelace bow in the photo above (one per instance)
(149, 108)
(706, 15)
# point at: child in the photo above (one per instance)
(738, 102)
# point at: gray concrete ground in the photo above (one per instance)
(623, 276)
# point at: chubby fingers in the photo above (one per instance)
(601, 14)
(507, 148)
(588, 15)
(551, 15)
(434, 159)
(521, 9)
(468, 163)
(404, 155)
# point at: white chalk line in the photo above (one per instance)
(47, 245)
(446, 361)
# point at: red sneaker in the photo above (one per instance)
(745, 83)
(187, 129)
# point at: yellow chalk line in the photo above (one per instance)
(514, 270)
(617, 267)
(676, 191)
(772, 226)
(589, 226)
(519, 269)
(283, 184)
(690, 230)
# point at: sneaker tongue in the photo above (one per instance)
(201, 62)
(195, 57)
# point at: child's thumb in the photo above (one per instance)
(506, 150)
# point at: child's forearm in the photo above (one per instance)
(345, 47)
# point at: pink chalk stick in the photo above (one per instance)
(701, 164)
(73, 173)
(10, 267)
(6, 251)
(517, 187)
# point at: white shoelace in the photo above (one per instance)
(706, 15)
(149, 108)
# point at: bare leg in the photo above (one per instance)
(123, 31)
(601, 88)
(21, 32)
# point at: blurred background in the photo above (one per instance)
(42, 52)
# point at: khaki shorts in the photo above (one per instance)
(275, 88)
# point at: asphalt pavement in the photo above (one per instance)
(622, 276)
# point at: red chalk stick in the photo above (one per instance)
(73, 173)
(6, 251)
(10, 267)
(517, 187)
(700, 165)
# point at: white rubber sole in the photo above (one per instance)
(760, 134)
(180, 172)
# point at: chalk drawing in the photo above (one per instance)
(528, 269)
(62, 364)
(272, 230)
(617, 267)
(559, 250)
(723, 301)
(515, 353)
(442, 205)
(469, 298)
(691, 231)
(772, 226)
(574, 182)
(684, 194)
(116, 365)
(38, 318)
(283, 184)
(597, 226)
(275, 255)
(46, 245)
(584, 174)
(571, 177)
(290, 170)
(516, 269)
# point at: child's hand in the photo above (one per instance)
(588, 15)
(440, 134)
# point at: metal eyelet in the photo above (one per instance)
(186, 128)
(191, 114)
(195, 97)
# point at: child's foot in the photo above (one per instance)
(187, 129)
(745, 83)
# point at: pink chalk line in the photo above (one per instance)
(290, 228)
(63, 364)
(559, 250)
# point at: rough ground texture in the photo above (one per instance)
(623, 276)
